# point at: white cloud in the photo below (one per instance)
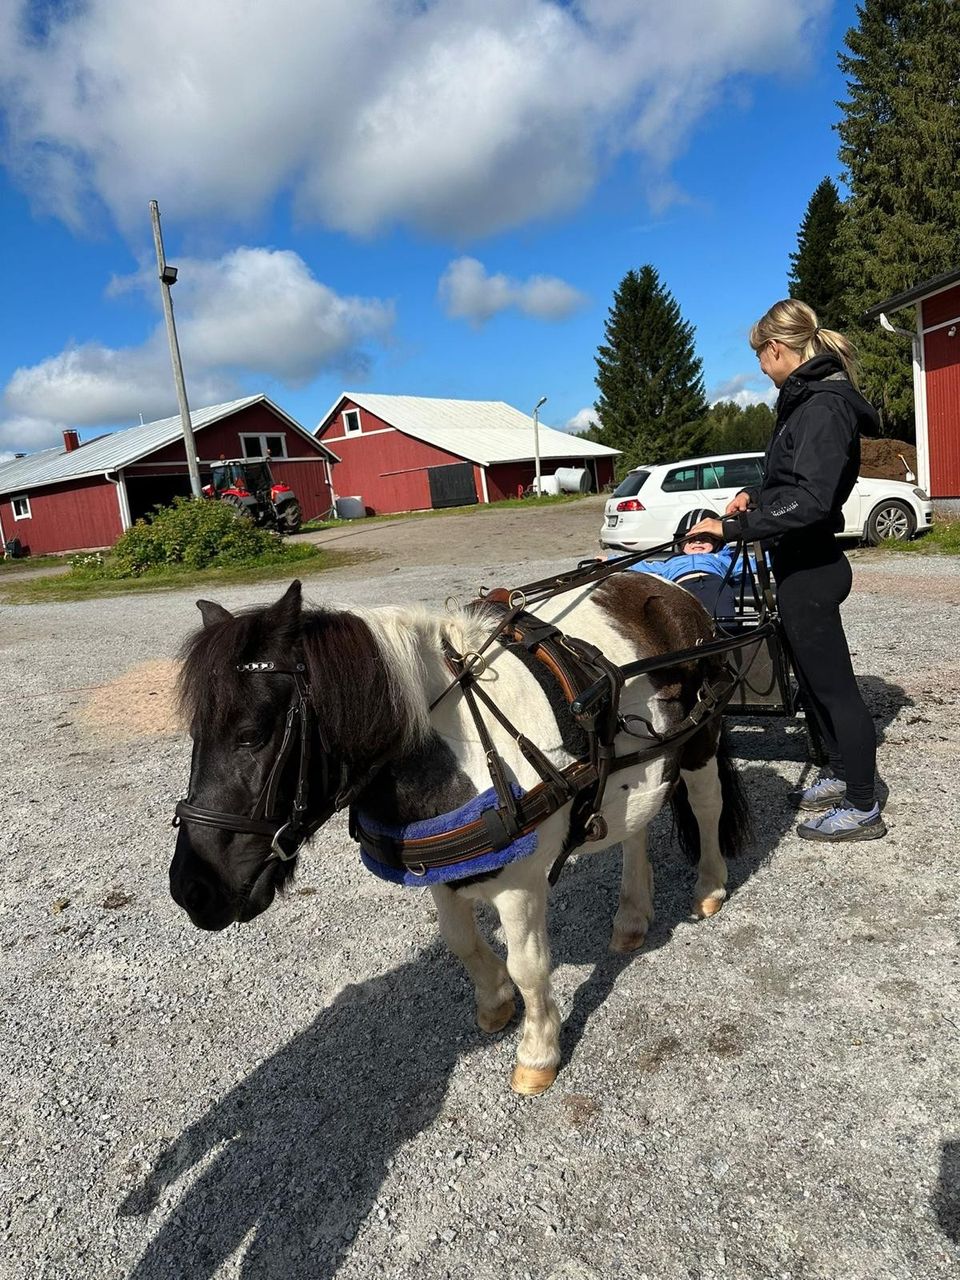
(469, 293)
(21, 434)
(253, 312)
(582, 420)
(455, 117)
(745, 389)
(263, 310)
(92, 384)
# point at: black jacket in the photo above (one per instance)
(812, 460)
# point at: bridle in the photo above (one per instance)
(287, 832)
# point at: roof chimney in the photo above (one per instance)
(71, 440)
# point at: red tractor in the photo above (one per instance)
(248, 485)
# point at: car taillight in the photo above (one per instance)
(631, 504)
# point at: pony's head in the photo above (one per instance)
(288, 711)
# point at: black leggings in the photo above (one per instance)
(809, 594)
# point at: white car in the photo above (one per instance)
(649, 502)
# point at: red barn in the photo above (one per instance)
(84, 495)
(410, 453)
(936, 381)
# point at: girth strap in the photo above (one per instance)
(448, 848)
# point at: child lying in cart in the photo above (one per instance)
(703, 566)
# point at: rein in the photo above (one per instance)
(591, 685)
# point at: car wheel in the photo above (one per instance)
(890, 521)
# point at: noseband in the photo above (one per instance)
(290, 832)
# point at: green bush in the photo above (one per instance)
(191, 534)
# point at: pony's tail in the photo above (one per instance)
(736, 827)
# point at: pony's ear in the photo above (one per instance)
(288, 606)
(212, 613)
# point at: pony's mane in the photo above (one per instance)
(369, 684)
(367, 681)
(209, 685)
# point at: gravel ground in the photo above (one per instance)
(768, 1094)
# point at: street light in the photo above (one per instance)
(536, 444)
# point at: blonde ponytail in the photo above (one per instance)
(795, 325)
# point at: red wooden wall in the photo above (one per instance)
(388, 469)
(381, 465)
(222, 439)
(67, 517)
(941, 358)
(504, 477)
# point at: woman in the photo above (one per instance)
(810, 469)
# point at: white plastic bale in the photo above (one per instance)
(573, 479)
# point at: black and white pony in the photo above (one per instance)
(368, 678)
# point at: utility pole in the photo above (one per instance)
(168, 276)
(536, 444)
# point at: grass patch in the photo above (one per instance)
(943, 540)
(23, 563)
(296, 560)
(475, 508)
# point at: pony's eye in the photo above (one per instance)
(248, 738)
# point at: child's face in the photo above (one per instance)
(698, 546)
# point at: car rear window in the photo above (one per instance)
(682, 480)
(732, 473)
(631, 485)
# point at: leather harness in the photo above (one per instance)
(590, 686)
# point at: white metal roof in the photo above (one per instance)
(482, 431)
(121, 448)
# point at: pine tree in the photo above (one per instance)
(814, 275)
(900, 145)
(649, 376)
(733, 429)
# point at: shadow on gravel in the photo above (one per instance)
(785, 739)
(296, 1153)
(946, 1198)
(593, 884)
(294, 1156)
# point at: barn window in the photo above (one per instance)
(351, 421)
(21, 508)
(258, 446)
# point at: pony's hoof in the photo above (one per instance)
(493, 1020)
(532, 1080)
(709, 906)
(624, 943)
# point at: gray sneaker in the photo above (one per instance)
(822, 794)
(843, 822)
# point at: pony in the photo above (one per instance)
(295, 709)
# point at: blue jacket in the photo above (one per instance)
(679, 566)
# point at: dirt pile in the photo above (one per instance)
(881, 459)
(138, 704)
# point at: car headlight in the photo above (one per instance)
(919, 493)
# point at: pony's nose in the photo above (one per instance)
(197, 895)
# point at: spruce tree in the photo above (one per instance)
(815, 276)
(900, 146)
(734, 429)
(649, 376)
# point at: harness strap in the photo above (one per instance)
(472, 840)
(548, 771)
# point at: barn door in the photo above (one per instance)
(452, 486)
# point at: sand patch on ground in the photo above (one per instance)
(139, 704)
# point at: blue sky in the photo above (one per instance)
(422, 197)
